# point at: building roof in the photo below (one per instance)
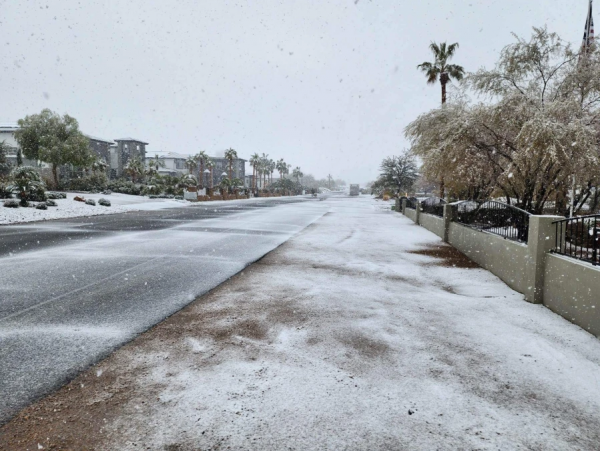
(8, 127)
(95, 138)
(131, 139)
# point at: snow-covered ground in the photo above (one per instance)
(349, 336)
(69, 208)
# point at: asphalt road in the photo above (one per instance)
(71, 291)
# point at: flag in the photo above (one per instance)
(588, 34)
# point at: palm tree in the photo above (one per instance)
(272, 166)
(210, 164)
(231, 155)
(264, 161)
(297, 173)
(281, 167)
(134, 168)
(440, 69)
(201, 158)
(254, 159)
(191, 164)
(153, 166)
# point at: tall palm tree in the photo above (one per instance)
(272, 166)
(254, 159)
(210, 164)
(231, 155)
(297, 173)
(191, 164)
(281, 167)
(201, 158)
(440, 69)
(264, 159)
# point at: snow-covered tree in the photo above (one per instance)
(398, 174)
(536, 130)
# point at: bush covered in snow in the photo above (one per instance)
(11, 203)
(55, 195)
(42, 206)
(90, 202)
(27, 182)
(51, 203)
(92, 182)
(104, 202)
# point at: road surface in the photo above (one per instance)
(73, 290)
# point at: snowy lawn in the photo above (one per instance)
(352, 335)
(68, 208)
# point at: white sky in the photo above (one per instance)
(328, 85)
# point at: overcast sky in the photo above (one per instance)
(328, 85)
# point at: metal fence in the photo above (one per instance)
(495, 217)
(433, 206)
(412, 202)
(578, 238)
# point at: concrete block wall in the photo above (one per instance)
(565, 285)
(432, 223)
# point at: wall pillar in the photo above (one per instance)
(404, 206)
(540, 241)
(418, 213)
(397, 205)
(449, 216)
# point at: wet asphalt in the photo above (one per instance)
(73, 290)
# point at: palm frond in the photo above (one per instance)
(455, 71)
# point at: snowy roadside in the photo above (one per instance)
(120, 203)
(362, 332)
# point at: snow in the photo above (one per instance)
(344, 339)
(120, 203)
(69, 208)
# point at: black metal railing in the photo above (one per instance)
(433, 206)
(495, 217)
(411, 203)
(579, 238)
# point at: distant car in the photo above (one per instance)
(354, 190)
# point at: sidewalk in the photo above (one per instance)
(362, 332)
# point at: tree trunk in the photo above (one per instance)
(55, 175)
(442, 188)
(201, 178)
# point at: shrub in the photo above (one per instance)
(92, 182)
(51, 203)
(104, 202)
(91, 202)
(11, 203)
(27, 182)
(55, 195)
(41, 206)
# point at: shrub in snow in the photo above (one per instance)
(90, 202)
(107, 192)
(179, 197)
(27, 182)
(55, 195)
(11, 203)
(104, 202)
(51, 203)
(42, 206)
